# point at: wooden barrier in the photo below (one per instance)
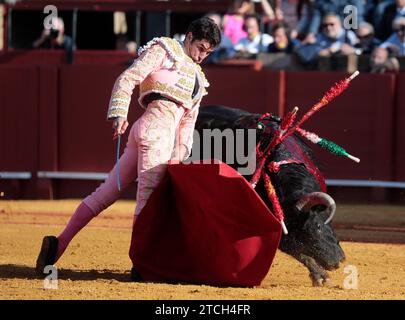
(243, 87)
(83, 102)
(400, 129)
(59, 57)
(53, 119)
(19, 118)
(19, 122)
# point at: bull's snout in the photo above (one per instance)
(334, 260)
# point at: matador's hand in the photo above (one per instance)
(120, 124)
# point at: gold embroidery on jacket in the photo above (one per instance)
(189, 85)
(179, 95)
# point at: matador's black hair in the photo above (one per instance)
(205, 29)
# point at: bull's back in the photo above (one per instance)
(220, 117)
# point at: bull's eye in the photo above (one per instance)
(260, 126)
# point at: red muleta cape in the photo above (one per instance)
(204, 224)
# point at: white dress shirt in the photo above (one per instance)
(259, 44)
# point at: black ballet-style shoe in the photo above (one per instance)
(135, 276)
(47, 255)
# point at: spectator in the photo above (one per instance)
(370, 7)
(305, 12)
(225, 49)
(278, 9)
(120, 23)
(323, 7)
(332, 40)
(271, 14)
(286, 11)
(255, 42)
(54, 38)
(396, 42)
(289, 12)
(282, 40)
(381, 62)
(367, 41)
(386, 13)
(379, 10)
(233, 20)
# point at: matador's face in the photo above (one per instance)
(197, 50)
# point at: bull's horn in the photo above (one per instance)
(317, 198)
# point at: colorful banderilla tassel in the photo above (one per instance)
(271, 193)
(326, 144)
(335, 91)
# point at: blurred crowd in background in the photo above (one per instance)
(311, 29)
(306, 30)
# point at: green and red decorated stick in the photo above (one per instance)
(326, 144)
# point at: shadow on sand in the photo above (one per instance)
(13, 271)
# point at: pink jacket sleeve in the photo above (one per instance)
(149, 61)
(186, 131)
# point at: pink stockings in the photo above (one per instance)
(150, 145)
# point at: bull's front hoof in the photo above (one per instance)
(321, 281)
(317, 282)
(329, 283)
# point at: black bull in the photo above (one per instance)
(298, 185)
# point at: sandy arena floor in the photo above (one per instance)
(96, 265)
